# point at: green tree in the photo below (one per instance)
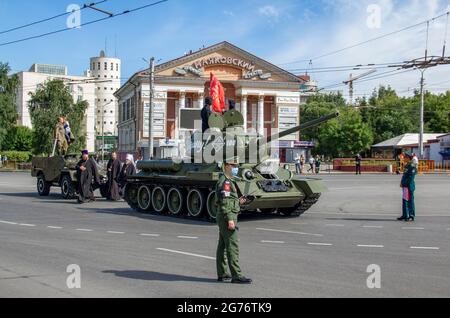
(19, 138)
(50, 101)
(8, 112)
(346, 136)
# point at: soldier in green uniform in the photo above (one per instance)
(228, 203)
(408, 186)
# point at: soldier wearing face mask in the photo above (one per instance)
(229, 206)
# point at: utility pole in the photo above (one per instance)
(150, 115)
(422, 119)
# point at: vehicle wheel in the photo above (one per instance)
(144, 198)
(175, 201)
(211, 206)
(159, 200)
(195, 203)
(43, 187)
(130, 194)
(67, 188)
(104, 190)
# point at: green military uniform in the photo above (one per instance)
(228, 210)
(408, 181)
(60, 135)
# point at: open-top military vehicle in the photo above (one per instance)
(187, 186)
(61, 172)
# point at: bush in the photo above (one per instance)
(19, 156)
(19, 138)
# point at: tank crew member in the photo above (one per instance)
(206, 112)
(87, 175)
(128, 169)
(114, 168)
(231, 105)
(408, 186)
(60, 138)
(228, 203)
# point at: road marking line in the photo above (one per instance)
(54, 227)
(320, 244)
(185, 253)
(371, 246)
(273, 242)
(84, 230)
(424, 248)
(413, 228)
(188, 237)
(151, 235)
(299, 223)
(114, 232)
(288, 232)
(335, 225)
(10, 223)
(29, 225)
(373, 226)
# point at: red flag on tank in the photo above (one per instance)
(217, 95)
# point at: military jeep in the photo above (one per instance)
(61, 172)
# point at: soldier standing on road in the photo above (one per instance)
(60, 136)
(228, 203)
(87, 174)
(114, 168)
(408, 186)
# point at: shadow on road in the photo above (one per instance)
(155, 276)
(365, 220)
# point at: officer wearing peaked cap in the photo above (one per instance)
(228, 203)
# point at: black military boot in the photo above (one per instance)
(241, 280)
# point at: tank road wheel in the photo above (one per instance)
(43, 187)
(211, 206)
(67, 188)
(130, 194)
(175, 201)
(144, 198)
(159, 200)
(195, 203)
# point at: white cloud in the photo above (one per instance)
(228, 13)
(270, 12)
(343, 31)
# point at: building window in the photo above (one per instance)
(112, 66)
(106, 66)
(117, 67)
(98, 64)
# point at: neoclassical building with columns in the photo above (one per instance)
(268, 97)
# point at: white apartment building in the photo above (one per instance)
(97, 87)
(79, 86)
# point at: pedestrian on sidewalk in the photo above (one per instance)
(358, 160)
(311, 164)
(298, 166)
(318, 163)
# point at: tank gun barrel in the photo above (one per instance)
(304, 126)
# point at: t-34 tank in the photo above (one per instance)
(186, 186)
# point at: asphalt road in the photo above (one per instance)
(325, 253)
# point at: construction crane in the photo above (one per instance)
(352, 78)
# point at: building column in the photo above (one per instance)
(244, 103)
(261, 115)
(180, 136)
(201, 100)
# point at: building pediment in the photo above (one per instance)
(228, 63)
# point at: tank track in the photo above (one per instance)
(297, 211)
(305, 205)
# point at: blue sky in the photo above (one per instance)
(281, 31)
